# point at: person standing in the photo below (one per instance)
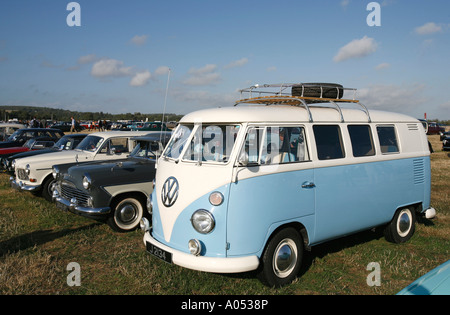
(72, 127)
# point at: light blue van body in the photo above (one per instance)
(321, 198)
(344, 201)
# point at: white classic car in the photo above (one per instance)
(34, 173)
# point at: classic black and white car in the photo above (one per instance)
(111, 191)
(34, 173)
(68, 142)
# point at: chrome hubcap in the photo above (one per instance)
(404, 223)
(285, 258)
(127, 213)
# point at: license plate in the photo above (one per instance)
(160, 253)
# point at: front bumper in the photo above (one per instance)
(20, 186)
(207, 264)
(71, 206)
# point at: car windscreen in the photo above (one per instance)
(146, 149)
(90, 143)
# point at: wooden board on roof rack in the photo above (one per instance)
(302, 94)
(291, 100)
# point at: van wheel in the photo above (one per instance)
(402, 226)
(126, 214)
(282, 258)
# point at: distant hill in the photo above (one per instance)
(25, 113)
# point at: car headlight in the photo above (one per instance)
(13, 165)
(55, 172)
(203, 221)
(27, 169)
(86, 182)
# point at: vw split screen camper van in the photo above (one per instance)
(251, 186)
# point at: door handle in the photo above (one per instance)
(308, 185)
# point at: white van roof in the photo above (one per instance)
(291, 114)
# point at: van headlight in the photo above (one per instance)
(86, 182)
(203, 221)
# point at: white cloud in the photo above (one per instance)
(203, 99)
(357, 48)
(203, 76)
(140, 78)
(139, 40)
(204, 70)
(237, 63)
(382, 66)
(87, 59)
(394, 98)
(428, 29)
(345, 3)
(162, 70)
(110, 68)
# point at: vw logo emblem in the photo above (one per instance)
(169, 192)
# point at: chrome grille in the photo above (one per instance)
(69, 191)
(21, 174)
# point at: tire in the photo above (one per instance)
(402, 226)
(282, 258)
(47, 188)
(329, 90)
(126, 214)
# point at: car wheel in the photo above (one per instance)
(282, 258)
(402, 226)
(47, 188)
(126, 214)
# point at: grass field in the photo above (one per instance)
(38, 241)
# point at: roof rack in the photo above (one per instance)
(301, 94)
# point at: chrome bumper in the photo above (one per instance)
(19, 185)
(72, 206)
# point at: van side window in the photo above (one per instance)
(329, 142)
(275, 145)
(388, 139)
(361, 137)
(284, 145)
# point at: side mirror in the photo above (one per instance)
(112, 151)
(244, 161)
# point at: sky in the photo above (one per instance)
(146, 56)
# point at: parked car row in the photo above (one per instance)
(107, 176)
(446, 141)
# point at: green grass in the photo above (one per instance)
(38, 241)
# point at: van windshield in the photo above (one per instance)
(202, 143)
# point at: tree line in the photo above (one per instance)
(26, 113)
